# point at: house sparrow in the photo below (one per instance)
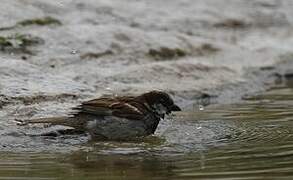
(117, 118)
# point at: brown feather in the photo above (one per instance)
(126, 107)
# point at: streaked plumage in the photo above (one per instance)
(117, 118)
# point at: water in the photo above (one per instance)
(250, 140)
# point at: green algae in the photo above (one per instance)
(40, 21)
(165, 53)
(44, 21)
(19, 43)
(93, 55)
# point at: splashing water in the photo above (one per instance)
(201, 107)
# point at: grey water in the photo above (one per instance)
(249, 140)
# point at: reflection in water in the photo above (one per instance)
(251, 140)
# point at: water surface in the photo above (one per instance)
(249, 140)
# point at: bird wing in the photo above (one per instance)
(129, 110)
(119, 107)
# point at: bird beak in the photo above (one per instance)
(174, 107)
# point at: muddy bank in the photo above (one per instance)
(55, 54)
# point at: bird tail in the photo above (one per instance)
(51, 120)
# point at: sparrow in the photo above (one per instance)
(117, 118)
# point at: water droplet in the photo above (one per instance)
(200, 107)
(73, 51)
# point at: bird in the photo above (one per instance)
(116, 118)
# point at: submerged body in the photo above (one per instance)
(116, 128)
(117, 118)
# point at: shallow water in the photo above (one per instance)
(108, 47)
(250, 140)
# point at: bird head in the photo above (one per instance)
(160, 102)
